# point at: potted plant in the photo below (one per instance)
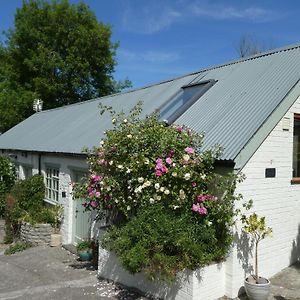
(56, 237)
(84, 250)
(257, 287)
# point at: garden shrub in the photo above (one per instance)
(170, 207)
(18, 247)
(30, 193)
(25, 203)
(7, 179)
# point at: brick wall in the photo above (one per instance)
(276, 199)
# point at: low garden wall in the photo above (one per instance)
(38, 234)
(204, 284)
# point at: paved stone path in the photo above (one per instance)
(54, 273)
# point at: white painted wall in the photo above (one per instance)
(276, 199)
(203, 284)
(67, 165)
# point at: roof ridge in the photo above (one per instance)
(232, 62)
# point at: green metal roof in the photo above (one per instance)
(230, 113)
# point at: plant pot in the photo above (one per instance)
(55, 240)
(257, 291)
(85, 255)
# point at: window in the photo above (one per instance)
(27, 171)
(52, 183)
(17, 170)
(186, 97)
(296, 147)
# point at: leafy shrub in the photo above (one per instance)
(18, 247)
(172, 210)
(7, 179)
(30, 193)
(162, 242)
(25, 203)
(84, 245)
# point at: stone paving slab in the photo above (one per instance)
(54, 273)
(285, 285)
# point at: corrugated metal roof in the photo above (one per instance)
(246, 93)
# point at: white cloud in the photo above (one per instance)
(221, 12)
(150, 18)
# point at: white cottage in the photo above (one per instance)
(251, 107)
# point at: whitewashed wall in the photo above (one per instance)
(67, 165)
(276, 199)
(203, 284)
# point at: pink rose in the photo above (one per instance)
(168, 160)
(158, 173)
(93, 204)
(202, 211)
(189, 150)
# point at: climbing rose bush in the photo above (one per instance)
(171, 209)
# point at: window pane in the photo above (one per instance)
(296, 149)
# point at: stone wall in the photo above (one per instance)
(38, 234)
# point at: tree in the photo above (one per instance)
(57, 52)
(248, 45)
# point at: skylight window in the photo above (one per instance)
(185, 98)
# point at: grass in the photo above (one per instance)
(18, 247)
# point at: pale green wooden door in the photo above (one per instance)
(82, 219)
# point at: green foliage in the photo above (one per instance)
(57, 52)
(26, 204)
(30, 193)
(7, 179)
(172, 210)
(18, 247)
(162, 242)
(84, 245)
(256, 226)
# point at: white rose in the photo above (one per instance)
(186, 157)
(151, 200)
(128, 171)
(120, 167)
(146, 161)
(147, 183)
(174, 174)
(129, 136)
(158, 198)
(101, 142)
(111, 162)
(156, 185)
(140, 179)
(125, 121)
(128, 207)
(162, 189)
(113, 121)
(187, 176)
(167, 192)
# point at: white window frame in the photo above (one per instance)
(52, 183)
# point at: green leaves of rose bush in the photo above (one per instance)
(158, 231)
(162, 242)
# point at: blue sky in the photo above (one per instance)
(168, 38)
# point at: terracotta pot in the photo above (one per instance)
(257, 291)
(55, 240)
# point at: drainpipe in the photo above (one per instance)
(40, 163)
